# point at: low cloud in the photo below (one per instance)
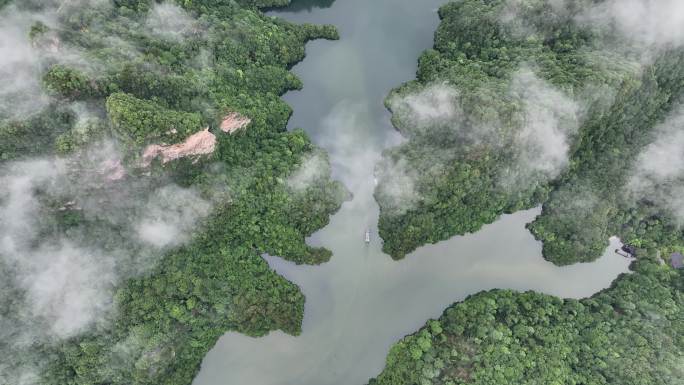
(632, 32)
(25, 58)
(397, 186)
(170, 215)
(572, 204)
(169, 21)
(68, 285)
(532, 142)
(24, 375)
(21, 93)
(658, 174)
(432, 106)
(314, 167)
(142, 348)
(59, 275)
(64, 283)
(67, 275)
(654, 23)
(549, 120)
(645, 22)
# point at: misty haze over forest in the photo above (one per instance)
(149, 163)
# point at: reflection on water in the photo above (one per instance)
(361, 302)
(308, 5)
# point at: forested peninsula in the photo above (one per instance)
(632, 333)
(531, 102)
(147, 170)
(515, 106)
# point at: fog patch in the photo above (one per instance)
(67, 273)
(314, 167)
(141, 348)
(658, 174)
(645, 22)
(570, 205)
(68, 285)
(577, 201)
(533, 142)
(119, 49)
(24, 58)
(512, 20)
(434, 105)
(169, 21)
(29, 44)
(65, 283)
(170, 215)
(21, 92)
(549, 119)
(630, 33)
(396, 186)
(25, 375)
(649, 23)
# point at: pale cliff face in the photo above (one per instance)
(198, 144)
(233, 122)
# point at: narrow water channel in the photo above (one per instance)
(361, 302)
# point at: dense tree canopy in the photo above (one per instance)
(135, 83)
(515, 106)
(632, 333)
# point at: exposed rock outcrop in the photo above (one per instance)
(196, 145)
(233, 122)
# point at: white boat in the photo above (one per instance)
(368, 236)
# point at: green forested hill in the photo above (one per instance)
(500, 71)
(632, 333)
(131, 73)
(516, 105)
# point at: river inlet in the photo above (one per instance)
(361, 302)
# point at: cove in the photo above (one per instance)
(362, 301)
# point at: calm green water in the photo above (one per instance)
(361, 302)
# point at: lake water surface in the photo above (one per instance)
(362, 301)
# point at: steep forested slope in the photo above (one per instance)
(632, 333)
(517, 105)
(528, 102)
(123, 266)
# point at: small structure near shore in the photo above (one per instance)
(627, 251)
(677, 261)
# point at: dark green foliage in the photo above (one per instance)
(579, 231)
(470, 170)
(38, 30)
(632, 333)
(299, 5)
(34, 136)
(141, 88)
(143, 121)
(68, 82)
(82, 134)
